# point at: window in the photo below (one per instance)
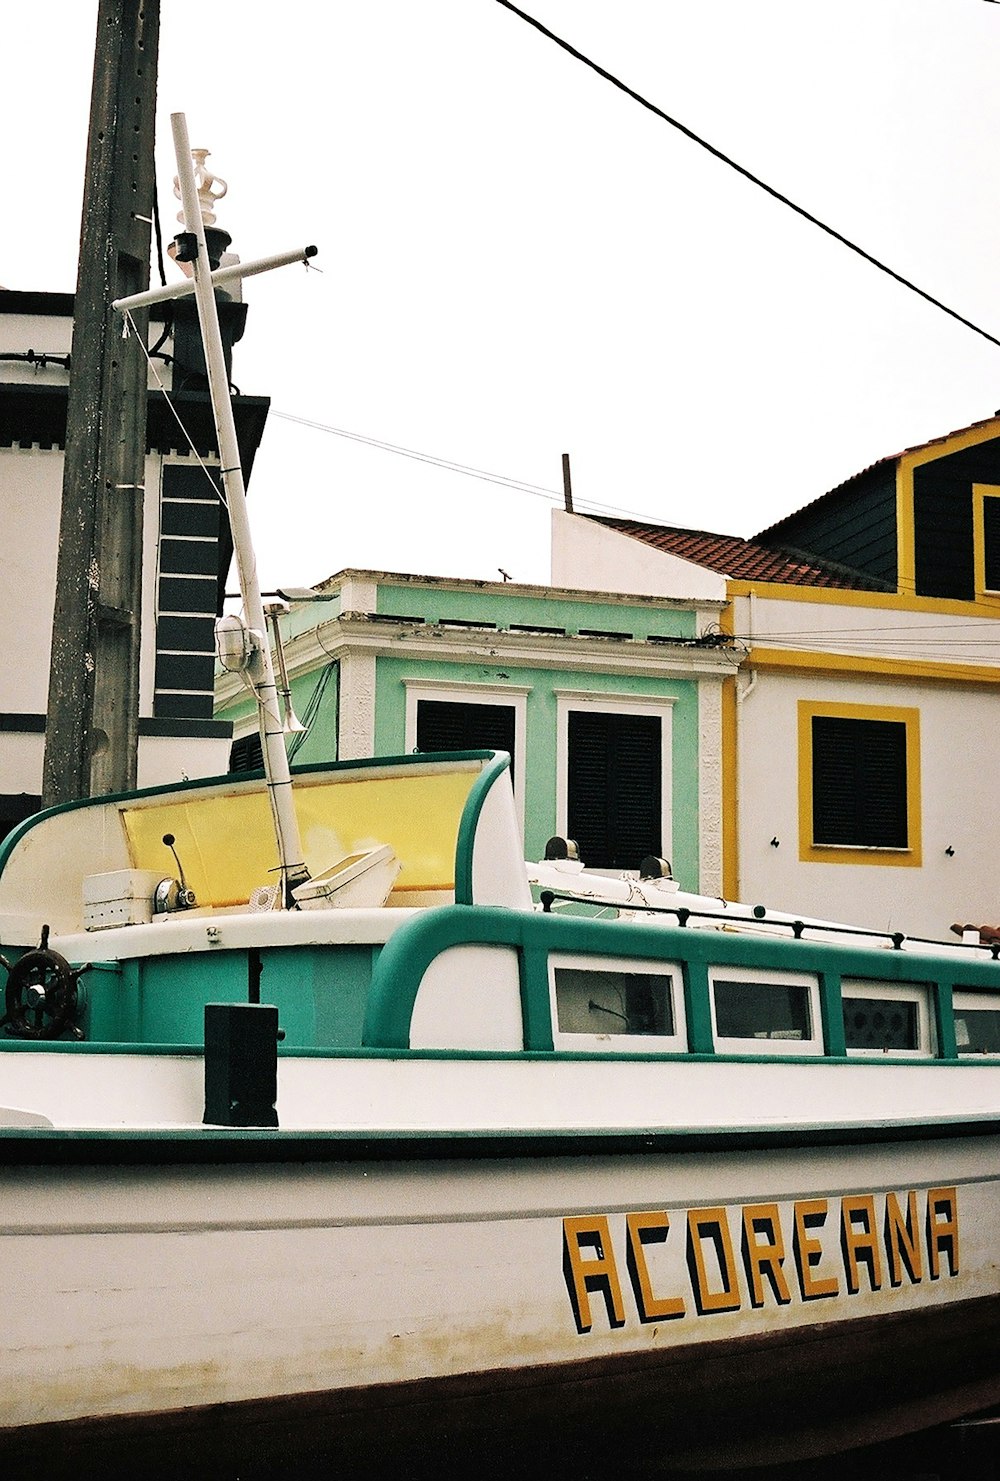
(859, 784)
(444, 725)
(886, 1018)
(977, 1023)
(776, 1014)
(608, 1003)
(991, 544)
(446, 715)
(614, 779)
(247, 753)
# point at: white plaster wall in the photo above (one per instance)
(164, 759)
(960, 760)
(21, 763)
(589, 557)
(46, 334)
(710, 787)
(30, 496)
(871, 631)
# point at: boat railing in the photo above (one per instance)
(759, 916)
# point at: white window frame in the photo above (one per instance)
(675, 1043)
(452, 691)
(900, 992)
(806, 1047)
(617, 704)
(973, 1002)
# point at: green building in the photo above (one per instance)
(610, 705)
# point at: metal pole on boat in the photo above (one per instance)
(260, 670)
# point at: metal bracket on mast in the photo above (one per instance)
(261, 669)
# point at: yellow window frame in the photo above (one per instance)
(832, 853)
(980, 493)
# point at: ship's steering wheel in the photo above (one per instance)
(41, 999)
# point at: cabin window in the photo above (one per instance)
(610, 1003)
(977, 1023)
(614, 771)
(859, 784)
(773, 1014)
(886, 1018)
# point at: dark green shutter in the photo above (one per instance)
(991, 543)
(614, 793)
(859, 782)
(446, 725)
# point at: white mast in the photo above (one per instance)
(259, 669)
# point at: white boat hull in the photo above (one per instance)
(140, 1282)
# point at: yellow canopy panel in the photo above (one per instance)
(226, 841)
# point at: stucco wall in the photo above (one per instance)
(959, 761)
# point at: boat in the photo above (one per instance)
(427, 1152)
(322, 1112)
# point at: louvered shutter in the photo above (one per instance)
(991, 543)
(443, 725)
(246, 754)
(614, 794)
(859, 782)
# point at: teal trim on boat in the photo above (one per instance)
(474, 803)
(407, 955)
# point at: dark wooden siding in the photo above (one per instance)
(855, 526)
(942, 520)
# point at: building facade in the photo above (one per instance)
(860, 735)
(611, 707)
(186, 547)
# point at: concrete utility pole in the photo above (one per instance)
(91, 738)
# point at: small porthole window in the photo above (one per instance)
(886, 1018)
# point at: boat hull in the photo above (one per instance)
(734, 1303)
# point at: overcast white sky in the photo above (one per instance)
(520, 261)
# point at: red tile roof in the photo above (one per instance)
(739, 559)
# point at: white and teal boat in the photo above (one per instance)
(312, 1114)
(636, 1161)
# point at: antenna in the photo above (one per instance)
(567, 484)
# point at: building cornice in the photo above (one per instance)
(354, 632)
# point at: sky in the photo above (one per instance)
(516, 260)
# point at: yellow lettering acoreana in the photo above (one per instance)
(860, 1243)
(713, 1224)
(645, 1228)
(764, 1252)
(902, 1240)
(942, 1229)
(811, 1212)
(596, 1272)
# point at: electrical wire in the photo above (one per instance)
(217, 488)
(518, 485)
(726, 159)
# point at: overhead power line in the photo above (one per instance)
(725, 159)
(519, 485)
